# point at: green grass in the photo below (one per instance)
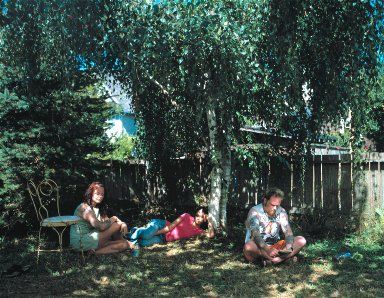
(197, 268)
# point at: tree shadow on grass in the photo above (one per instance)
(193, 268)
(360, 275)
(184, 268)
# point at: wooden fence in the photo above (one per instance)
(326, 182)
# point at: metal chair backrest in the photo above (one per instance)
(44, 195)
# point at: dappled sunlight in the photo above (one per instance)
(198, 268)
(232, 265)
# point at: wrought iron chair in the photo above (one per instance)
(43, 195)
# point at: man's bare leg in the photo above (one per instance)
(298, 243)
(252, 251)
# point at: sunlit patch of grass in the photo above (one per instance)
(198, 268)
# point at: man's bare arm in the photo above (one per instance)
(285, 226)
(258, 239)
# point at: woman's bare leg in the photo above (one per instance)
(117, 236)
(106, 236)
(108, 246)
(114, 247)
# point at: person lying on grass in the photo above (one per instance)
(96, 232)
(162, 231)
(263, 225)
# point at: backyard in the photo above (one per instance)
(153, 108)
(198, 268)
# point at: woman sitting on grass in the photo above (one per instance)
(161, 231)
(95, 232)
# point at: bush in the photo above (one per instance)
(123, 149)
(45, 137)
(52, 121)
(373, 229)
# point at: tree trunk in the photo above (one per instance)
(216, 173)
(226, 166)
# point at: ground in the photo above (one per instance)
(196, 268)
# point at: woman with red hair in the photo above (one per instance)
(96, 232)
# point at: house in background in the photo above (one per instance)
(124, 124)
(323, 146)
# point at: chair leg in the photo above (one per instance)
(60, 234)
(81, 244)
(61, 250)
(38, 247)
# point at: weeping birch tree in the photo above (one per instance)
(194, 67)
(184, 63)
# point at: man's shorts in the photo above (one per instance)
(279, 245)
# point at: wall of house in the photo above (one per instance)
(122, 125)
(125, 123)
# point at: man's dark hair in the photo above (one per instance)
(274, 192)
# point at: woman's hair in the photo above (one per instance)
(90, 190)
(205, 209)
(204, 225)
(88, 197)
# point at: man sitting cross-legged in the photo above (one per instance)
(263, 224)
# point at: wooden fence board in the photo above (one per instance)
(298, 183)
(318, 201)
(308, 185)
(327, 183)
(346, 188)
(381, 184)
(330, 186)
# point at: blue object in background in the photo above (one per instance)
(343, 256)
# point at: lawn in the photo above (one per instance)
(197, 268)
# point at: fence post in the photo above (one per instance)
(291, 196)
(257, 188)
(352, 183)
(269, 172)
(313, 181)
(302, 180)
(370, 186)
(339, 183)
(380, 183)
(321, 181)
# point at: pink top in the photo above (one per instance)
(185, 229)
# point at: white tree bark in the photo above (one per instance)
(216, 174)
(226, 180)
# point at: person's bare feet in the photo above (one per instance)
(265, 263)
(292, 261)
(131, 244)
(89, 253)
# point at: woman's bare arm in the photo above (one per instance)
(170, 227)
(211, 231)
(89, 215)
